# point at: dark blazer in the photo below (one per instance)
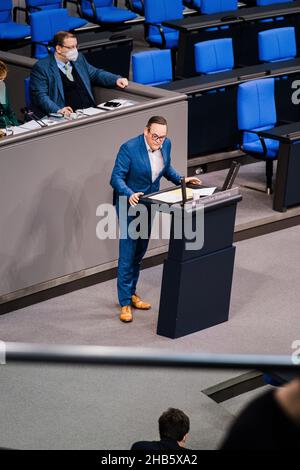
(132, 170)
(7, 115)
(46, 87)
(163, 444)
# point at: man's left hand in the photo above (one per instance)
(122, 82)
(193, 180)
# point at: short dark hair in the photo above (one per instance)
(173, 424)
(157, 120)
(59, 38)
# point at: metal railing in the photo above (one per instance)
(122, 356)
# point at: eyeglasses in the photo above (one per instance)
(157, 138)
(69, 47)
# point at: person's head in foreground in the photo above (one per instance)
(174, 424)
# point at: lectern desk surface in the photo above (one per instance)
(207, 201)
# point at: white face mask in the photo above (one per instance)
(72, 55)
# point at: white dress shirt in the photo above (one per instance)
(156, 161)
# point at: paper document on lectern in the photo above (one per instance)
(171, 197)
(175, 196)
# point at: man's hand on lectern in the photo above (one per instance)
(193, 180)
(134, 198)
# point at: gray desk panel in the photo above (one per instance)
(236, 76)
(52, 182)
(234, 16)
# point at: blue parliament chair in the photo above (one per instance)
(137, 6)
(9, 29)
(209, 7)
(104, 12)
(277, 44)
(152, 67)
(257, 112)
(271, 380)
(263, 3)
(157, 11)
(44, 25)
(214, 56)
(34, 6)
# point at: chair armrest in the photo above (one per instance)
(129, 4)
(93, 7)
(161, 32)
(15, 11)
(79, 9)
(48, 46)
(262, 141)
(195, 7)
(74, 2)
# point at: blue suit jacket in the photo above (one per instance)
(132, 170)
(46, 87)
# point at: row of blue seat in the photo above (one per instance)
(155, 67)
(105, 12)
(206, 7)
(158, 11)
(33, 6)
(10, 30)
(98, 11)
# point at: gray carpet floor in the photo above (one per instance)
(264, 315)
(51, 407)
(109, 408)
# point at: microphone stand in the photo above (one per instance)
(32, 117)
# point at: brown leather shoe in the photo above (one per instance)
(126, 314)
(136, 302)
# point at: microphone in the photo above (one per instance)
(183, 190)
(30, 114)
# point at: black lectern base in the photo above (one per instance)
(196, 285)
(195, 294)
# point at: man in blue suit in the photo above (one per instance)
(139, 167)
(62, 82)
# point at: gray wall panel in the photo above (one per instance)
(50, 188)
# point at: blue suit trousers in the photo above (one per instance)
(131, 253)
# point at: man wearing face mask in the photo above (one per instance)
(62, 82)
